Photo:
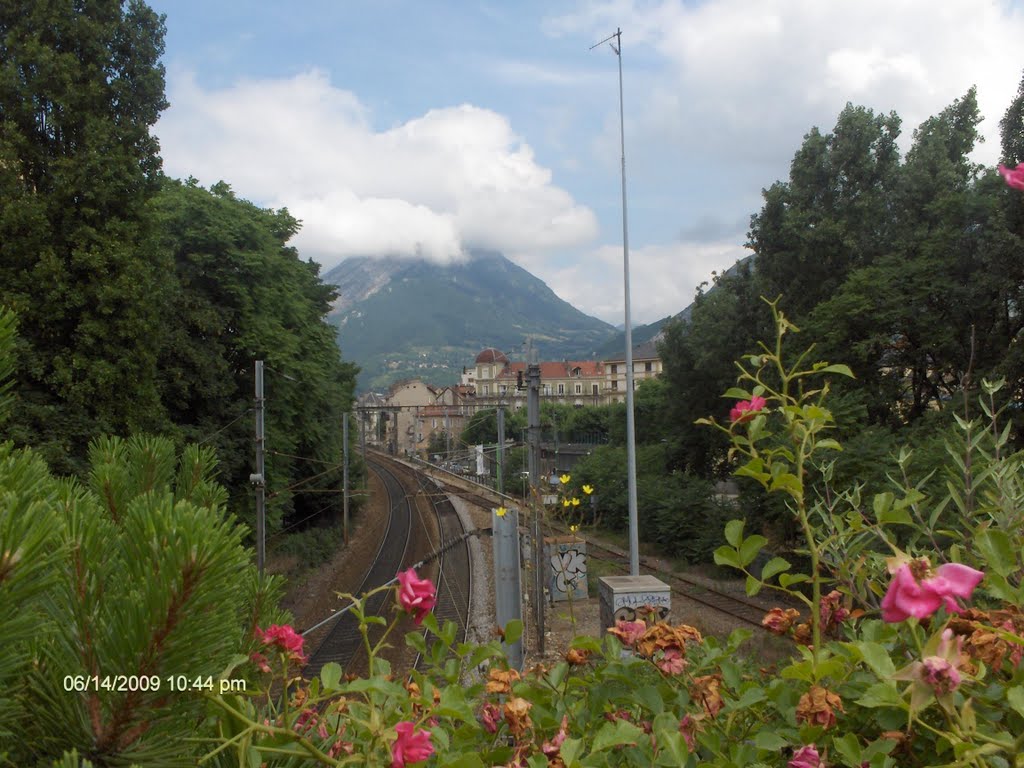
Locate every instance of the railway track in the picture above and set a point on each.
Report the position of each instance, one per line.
(454, 580)
(343, 642)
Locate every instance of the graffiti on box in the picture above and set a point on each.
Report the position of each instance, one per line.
(568, 577)
(649, 606)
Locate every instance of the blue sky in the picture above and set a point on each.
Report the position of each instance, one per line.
(403, 126)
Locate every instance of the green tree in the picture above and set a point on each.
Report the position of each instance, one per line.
(80, 90)
(240, 293)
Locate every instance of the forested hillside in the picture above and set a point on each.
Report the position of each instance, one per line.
(141, 301)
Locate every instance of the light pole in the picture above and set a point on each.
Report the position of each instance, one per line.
(634, 535)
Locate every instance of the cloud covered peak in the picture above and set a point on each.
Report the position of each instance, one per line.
(434, 186)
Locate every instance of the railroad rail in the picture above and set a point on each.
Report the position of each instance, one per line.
(343, 642)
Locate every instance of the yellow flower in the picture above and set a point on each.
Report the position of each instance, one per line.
(500, 511)
(565, 502)
(573, 528)
(564, 479)
(588, 489)
(575, 502)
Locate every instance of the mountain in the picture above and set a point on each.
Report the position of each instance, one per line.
(616, 345)
(398, 318)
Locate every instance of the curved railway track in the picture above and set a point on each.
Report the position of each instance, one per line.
(343, 642)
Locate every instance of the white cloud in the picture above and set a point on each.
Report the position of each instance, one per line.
(663, 278)
(449, 180)
(747, 80)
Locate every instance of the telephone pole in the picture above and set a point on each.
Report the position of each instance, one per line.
(344, 473)
(258, 479)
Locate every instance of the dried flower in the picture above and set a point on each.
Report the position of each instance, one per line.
(818, 707)
(778, 621)
(628, 631)
(500, 680)
(517, 715)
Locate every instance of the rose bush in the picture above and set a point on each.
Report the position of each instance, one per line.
(896, 661)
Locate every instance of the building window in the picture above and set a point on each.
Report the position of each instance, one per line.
(487, 389)
(593, 389)
(579, 389)
(561, 389)
(615, 368)
(433, 423)
(615, 385)
(547, 389)
(504, 388)
(647, 367)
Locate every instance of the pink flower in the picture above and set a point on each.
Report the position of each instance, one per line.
(687, 727)
(551, 748)
(260, 661)
(940, 675)
(628, 631)
(832, 611)
(916, 591)
(285, 638)
(411, 746)
(745, 409)
(806, 757)
(415, 595)
(1014, 177)
(490, 716)
(672, 662)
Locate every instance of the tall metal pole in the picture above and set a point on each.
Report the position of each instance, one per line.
(634, 536)
(344, 474)
(259, 478)
(501, 447)
(533, 455)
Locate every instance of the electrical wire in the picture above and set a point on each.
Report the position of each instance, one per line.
(227, 426)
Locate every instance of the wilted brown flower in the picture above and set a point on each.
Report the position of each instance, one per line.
(577, 656)
(818, 706)
(517, 715)
(501, 680)
(803, 634)
(706, 690)
(665, 636)
(778, 621)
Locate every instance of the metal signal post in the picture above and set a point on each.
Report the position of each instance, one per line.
(634, 536)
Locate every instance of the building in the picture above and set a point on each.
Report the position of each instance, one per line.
(646, 365)
(496, 380)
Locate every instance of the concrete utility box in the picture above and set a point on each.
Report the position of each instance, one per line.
(621, 596)
(566, 557)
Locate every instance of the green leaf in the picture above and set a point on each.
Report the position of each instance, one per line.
(753, 586)
(882, 695)
(770, 741)
(513, 631)
(734, 532)
(330, 676)
(1015, 698)
(877, 657)
(995, 545)
(774, 566)
(829, 443)
(727, 556)
(453, 704)
(789, 579)
(849, 747)
(842, 370)
(750, 547)
(570, 751)
(672, 742)
(737, 394)
(613, 734)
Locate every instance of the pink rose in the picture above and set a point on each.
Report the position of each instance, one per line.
(415, 595)
(745, 409)
(411, 746)
(672, 662)
(805, 757)
(628, 631)
(490, 716)
(1014, 176)
(908, 596)
(285, 638)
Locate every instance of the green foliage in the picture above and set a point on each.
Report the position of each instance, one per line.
(140, 574)
(79, 93)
